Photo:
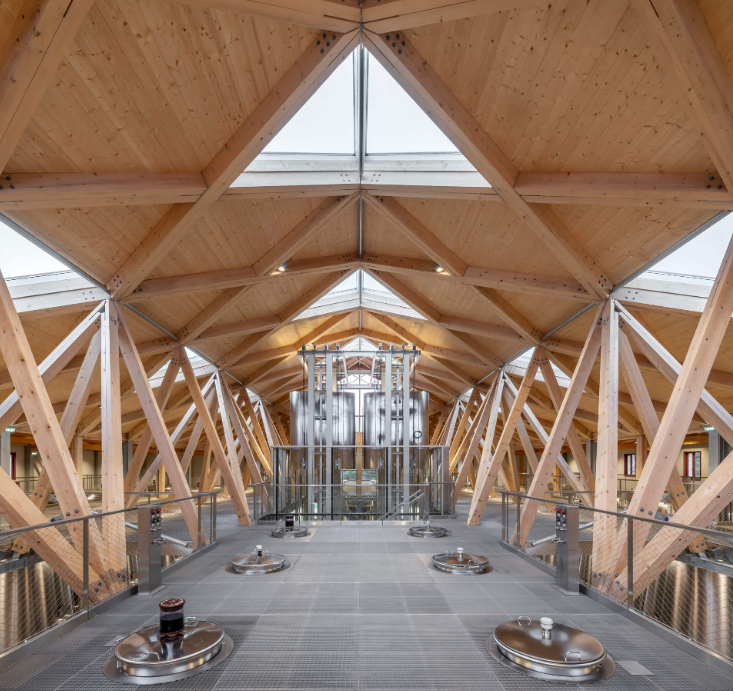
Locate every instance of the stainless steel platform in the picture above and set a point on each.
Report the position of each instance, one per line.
(361, 608)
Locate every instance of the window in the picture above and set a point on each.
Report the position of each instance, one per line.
(395, 123)
(630, 464)
(21, 257)
(691, 462)
(325, 123)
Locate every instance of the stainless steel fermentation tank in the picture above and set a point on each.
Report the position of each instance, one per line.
(376, 434)
(344, 435)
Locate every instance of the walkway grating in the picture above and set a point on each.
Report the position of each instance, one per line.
(362, 609)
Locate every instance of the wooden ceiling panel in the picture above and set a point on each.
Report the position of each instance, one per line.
(173, 312)
(383, 237)
(719, 18)
(235, 234)
(260, 301)
(484, 234)
(96, 239)
(339, 236)
(571, 86)
(422, 330)
(623, 239)
(155, 86)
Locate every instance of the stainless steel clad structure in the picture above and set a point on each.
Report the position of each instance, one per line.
(344, 418)
(324, 472)
(377, 435)
(343, 427)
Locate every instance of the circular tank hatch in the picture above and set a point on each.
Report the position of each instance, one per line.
(150, 656)
(290, 530)
(259, 562)
(461, 562)
(550, 651)
(428, 530)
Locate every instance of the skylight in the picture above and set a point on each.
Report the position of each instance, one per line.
(359, 290)
(359, 343)
(325, 124)
(395, 123)
(700, 257)
(20, 257)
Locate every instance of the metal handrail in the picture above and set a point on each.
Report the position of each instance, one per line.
(66, 521)
(401, 509)
(655, 521)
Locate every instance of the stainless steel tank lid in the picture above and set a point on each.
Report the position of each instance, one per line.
(428, 531)
(258, 562)
(147, 654)
(546, 644)
(286, 532)
(461, 562)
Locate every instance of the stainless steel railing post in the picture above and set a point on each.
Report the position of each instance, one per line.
(504, 517)
(630, 562)
(567, 547)
(149, 577)
(519, 521)
(85, 566)
(198, 526)
(213, 517)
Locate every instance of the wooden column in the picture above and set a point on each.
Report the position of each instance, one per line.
(604, 530)
(486, 454)
(160, 432)
(479, 429)
(462, 425)
(113, 485)
(146, 438)
(41, 418)
(439, 425)
(576, 446)
(77, 452)
(232, 476)
(682, 403)
(250, 411)
(486, 482)
(559, 430)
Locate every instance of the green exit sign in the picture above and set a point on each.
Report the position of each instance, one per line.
(709, 428)
(10, 429)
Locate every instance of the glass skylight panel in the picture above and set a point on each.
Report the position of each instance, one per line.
(371, 284)
(20, 257)
(395, 123)
(699, 258)
(347, 296)
(325, 123)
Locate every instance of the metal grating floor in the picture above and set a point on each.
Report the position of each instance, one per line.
(361, 608)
